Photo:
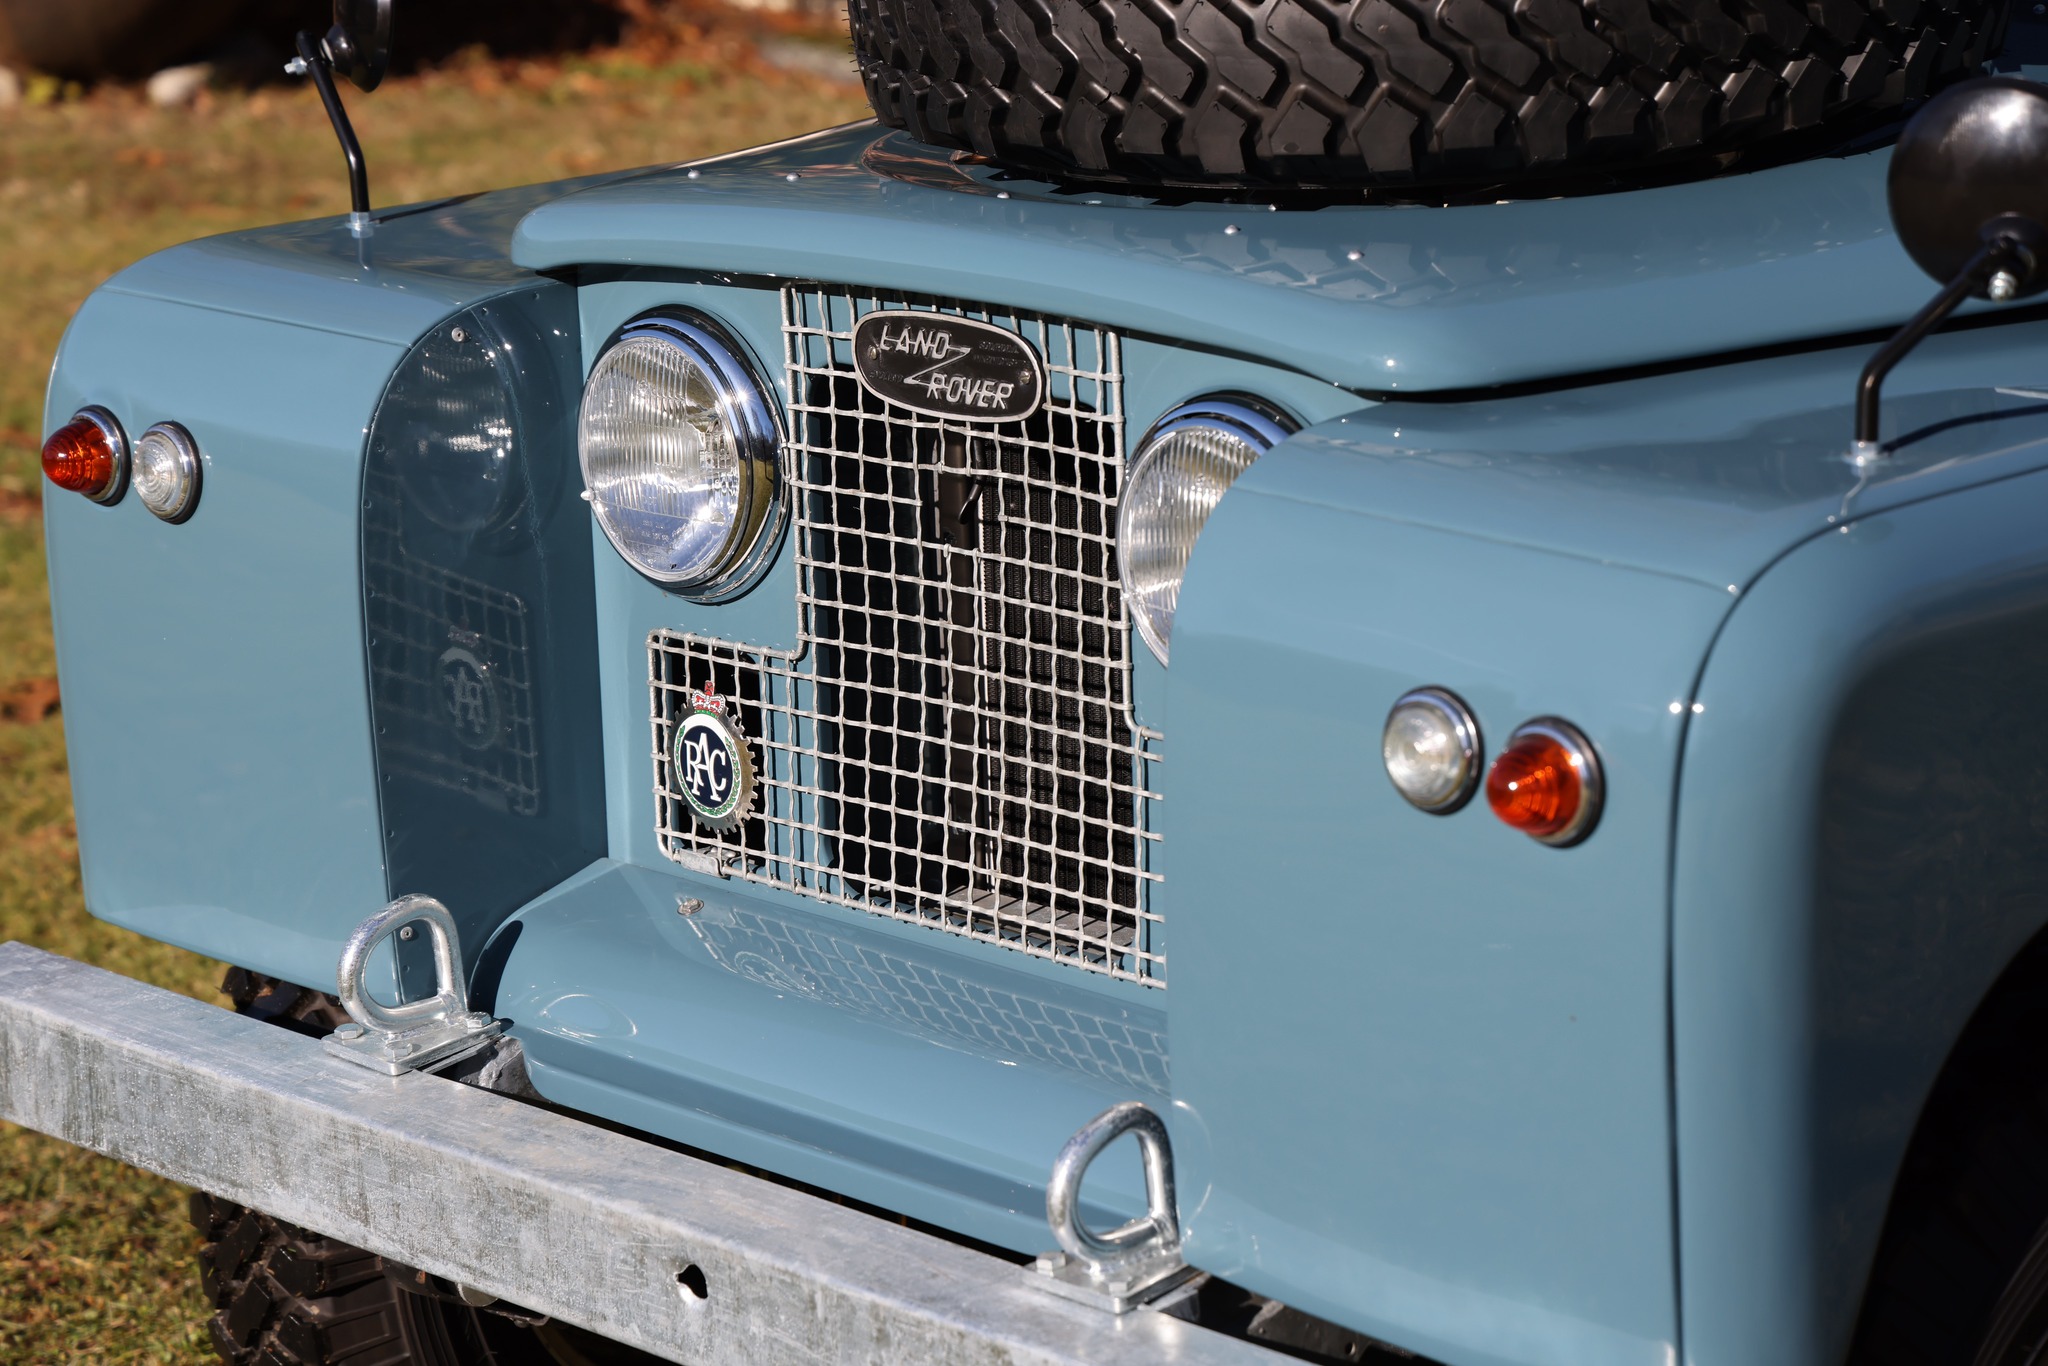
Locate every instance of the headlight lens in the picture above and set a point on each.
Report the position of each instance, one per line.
(1184, 466)
(1431, 749)
(165, 470)
(680, 455)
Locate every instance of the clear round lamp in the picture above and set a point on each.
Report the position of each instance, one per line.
(1431, 750)
(1184, 466)
(680, 454)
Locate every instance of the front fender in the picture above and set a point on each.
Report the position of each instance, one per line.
(1859, 856)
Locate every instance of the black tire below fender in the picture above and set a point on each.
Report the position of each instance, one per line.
(1335, 93)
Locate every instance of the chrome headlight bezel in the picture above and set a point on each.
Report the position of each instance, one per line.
(1256, 423)
(744, 405)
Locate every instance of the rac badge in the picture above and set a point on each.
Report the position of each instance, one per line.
(714, 766)
(942, 366)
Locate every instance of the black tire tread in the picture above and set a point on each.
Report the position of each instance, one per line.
(1308, 93)
(285, 1297)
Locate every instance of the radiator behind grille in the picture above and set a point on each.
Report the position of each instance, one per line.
(953, 743)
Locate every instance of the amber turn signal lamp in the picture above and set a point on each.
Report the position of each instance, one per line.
(1546, 782)
(88, 455)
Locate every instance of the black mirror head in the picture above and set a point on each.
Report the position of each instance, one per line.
(359, 44)
(1970, 167)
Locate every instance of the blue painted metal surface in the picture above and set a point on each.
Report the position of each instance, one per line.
(897, 1066)
(214, 672)
(1436, 298)
(1474, 1156)
(1422, 1076)
(479, 612)
(1859, 857)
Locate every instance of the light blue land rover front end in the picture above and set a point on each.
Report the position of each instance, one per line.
(926, 825)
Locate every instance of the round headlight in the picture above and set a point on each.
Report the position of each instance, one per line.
(681, 456)
(1184, 466)
(165, 471)
(1431, 749)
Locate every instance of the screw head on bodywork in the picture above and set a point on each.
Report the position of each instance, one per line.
(688, 905)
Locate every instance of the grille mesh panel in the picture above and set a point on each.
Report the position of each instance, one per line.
(467, 728)
(921, 997)
(952, 744)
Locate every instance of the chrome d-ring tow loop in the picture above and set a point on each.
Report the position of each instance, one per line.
(1135, 1265)
(418, 1034)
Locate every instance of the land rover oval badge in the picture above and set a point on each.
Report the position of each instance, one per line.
(714, 766)
(943, 366)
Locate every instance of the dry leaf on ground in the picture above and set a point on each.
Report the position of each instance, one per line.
(29, 701)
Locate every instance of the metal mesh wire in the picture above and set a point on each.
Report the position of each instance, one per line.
(955, 746)
(921, 997)
(451, 670)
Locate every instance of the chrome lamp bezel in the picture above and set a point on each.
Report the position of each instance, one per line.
(1592, 781)
(117, 438)
(1464, 726)
(186, 452)
(1258, 423)
(745, 405)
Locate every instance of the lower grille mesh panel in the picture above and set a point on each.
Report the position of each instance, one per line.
(952, 744)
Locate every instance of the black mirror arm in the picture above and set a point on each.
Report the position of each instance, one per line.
(313, 58)
(1999, 253)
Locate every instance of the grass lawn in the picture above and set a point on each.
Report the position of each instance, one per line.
(96, 1258)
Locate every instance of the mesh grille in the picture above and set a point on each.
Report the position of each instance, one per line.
(921, 997)
(952, 744)
(450, 669)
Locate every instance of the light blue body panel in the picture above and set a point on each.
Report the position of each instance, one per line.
(879, 1060)
(1859, 856)
(1491, 1101)
(1434, 299)
(213, 672)
(1474, 1158)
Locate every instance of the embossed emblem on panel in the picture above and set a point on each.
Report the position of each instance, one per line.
(469, 698)
(714, 766)
(948, 367)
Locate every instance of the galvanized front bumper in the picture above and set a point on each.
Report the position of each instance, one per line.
(541, 1209)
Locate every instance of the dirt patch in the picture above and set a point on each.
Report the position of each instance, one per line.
(29, 701)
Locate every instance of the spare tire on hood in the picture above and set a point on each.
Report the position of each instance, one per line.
(1340, 93)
